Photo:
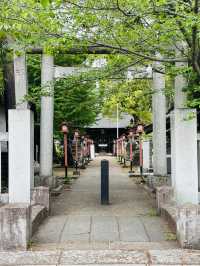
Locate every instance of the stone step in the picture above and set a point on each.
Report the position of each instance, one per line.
(101, 257)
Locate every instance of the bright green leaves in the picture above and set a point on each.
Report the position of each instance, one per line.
(45, 3)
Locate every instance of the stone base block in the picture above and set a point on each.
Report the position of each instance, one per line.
(154, 181)
(4, 198)
(164, 195)
(49, 181)
(41, 196)
(188, 226)
(15, 224)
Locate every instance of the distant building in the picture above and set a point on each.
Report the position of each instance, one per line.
(104, 132)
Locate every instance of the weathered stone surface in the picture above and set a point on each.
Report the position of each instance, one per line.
(188, 225)
(15, 226)
(38, 214)
(132, 229)
(164, 195)
(29, 258)
(77, 227)
(40, 195)
(104, 228)
(51, 230)
(174, 257)
(103, 257)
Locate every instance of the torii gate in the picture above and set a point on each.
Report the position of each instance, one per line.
(21, 164)
(184, 177)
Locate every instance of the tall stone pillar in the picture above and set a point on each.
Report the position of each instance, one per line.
(184, 145)
(21, 139)
(159, 123)
(46, 118)
(21, 81)
(21, 152)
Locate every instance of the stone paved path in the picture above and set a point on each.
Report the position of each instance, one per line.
(78, 221)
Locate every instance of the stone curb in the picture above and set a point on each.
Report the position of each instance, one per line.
(103, 257)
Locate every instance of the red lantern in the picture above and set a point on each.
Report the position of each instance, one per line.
(140, 129)
(64, 128)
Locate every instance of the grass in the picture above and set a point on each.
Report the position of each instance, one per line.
(169, 236)
(153, 212)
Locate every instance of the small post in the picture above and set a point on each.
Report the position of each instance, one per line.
(140, 130)
(104, 182)
(64, 129)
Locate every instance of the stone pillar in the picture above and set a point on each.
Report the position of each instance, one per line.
(184, 155)
(159, 123)
(21, 151)
(183, 145)
(146, 155)
(21, 82)
(46, 118)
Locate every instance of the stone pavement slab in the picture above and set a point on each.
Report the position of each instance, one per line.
(51, 230)
(76, 228)
(104, 228)
(132, 229)
(155, 228)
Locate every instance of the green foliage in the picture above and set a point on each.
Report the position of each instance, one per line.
(76, 101)
(67, 60)
(137, 29)
(132, 96)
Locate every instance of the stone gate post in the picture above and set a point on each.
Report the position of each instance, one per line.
(184, 145)
(159, 123)
(46, 119)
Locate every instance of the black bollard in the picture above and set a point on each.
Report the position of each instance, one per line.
(104, 182)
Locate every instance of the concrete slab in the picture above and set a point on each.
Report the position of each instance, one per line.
(51, 230)
(104, 228)
(76, 228)
(132, 230)
(155, 228)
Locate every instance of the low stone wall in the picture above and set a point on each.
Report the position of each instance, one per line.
(185, 219)
(19, 220)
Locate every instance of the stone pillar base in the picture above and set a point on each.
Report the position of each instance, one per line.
(155, 181)
(49, 181)
(164, 195)
(188, 226)
(15, 226)
(41, 195)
